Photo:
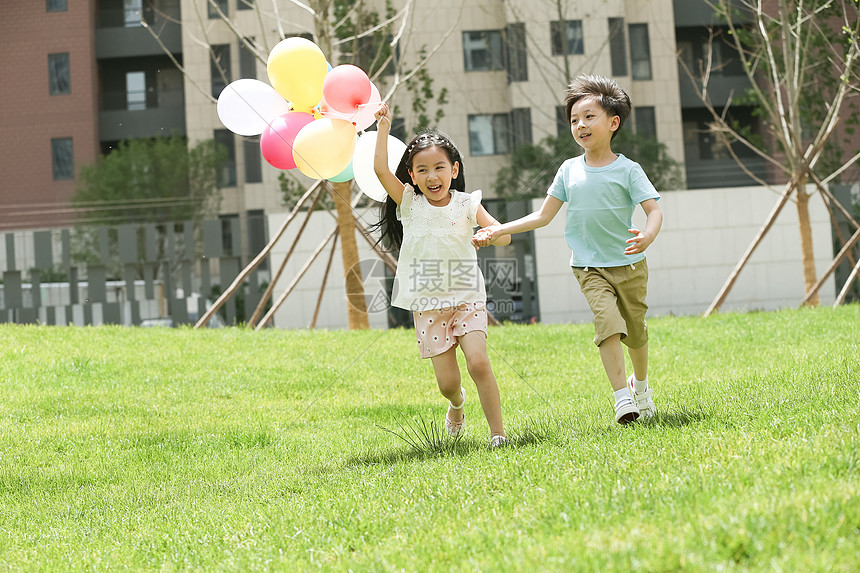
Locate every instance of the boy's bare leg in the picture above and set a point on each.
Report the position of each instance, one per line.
(612, 356)
(639, 358)
(474, 345)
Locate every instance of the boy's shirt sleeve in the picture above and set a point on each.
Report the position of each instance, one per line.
(558, 188)
(641, 188)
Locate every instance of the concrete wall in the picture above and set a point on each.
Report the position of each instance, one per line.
(297, 310)
(704, 235)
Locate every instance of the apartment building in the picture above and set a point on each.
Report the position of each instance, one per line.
(87, 74)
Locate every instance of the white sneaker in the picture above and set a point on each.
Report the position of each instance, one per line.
(643, 400)
(626, 411)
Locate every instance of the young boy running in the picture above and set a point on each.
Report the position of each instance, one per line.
(602, 188)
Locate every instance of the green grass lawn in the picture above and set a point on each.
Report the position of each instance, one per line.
(175, 449)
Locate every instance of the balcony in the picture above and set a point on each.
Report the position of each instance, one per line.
(120, 32)
(126, 115)
(720, 88)
(711, 173)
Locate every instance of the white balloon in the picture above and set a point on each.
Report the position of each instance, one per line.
(362, 163)
(247, 106)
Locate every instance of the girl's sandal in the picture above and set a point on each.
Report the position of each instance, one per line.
(454, 429)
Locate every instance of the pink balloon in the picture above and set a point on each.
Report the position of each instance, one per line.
(363, 117)
(346, 87)
(366, 114)
(276, 141)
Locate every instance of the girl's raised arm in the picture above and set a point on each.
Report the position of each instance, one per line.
(393, 186)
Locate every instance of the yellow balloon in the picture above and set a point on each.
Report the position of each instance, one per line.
(297, 69)
(324, 147)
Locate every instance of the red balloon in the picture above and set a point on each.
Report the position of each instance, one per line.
(276, 141)
(345, 88)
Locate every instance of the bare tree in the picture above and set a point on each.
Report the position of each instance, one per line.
(345, 30)
(786, 47)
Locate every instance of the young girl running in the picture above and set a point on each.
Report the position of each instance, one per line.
(430, 218)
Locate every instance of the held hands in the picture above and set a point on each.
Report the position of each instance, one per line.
(484, 237)
(636, 244)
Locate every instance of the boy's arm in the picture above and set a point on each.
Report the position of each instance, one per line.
(392, 185)
(539, 218)
(487, 220)
(653, 223)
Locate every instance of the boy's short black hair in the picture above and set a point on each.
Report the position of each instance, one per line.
(606, 91)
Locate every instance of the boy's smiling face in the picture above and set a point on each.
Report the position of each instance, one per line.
(592, 127)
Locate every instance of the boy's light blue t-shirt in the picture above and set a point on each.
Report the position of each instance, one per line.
(600, 208)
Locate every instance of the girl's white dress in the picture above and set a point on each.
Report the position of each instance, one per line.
(438, 266)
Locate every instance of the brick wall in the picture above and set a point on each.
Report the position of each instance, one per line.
(30, 117)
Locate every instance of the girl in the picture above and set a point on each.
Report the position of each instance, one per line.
(430, 218)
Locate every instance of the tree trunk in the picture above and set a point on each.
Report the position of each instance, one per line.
(356, 304)
(808, 256)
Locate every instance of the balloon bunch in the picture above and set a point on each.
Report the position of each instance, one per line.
(309, 117)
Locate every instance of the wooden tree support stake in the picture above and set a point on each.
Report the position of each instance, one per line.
(295, 280)
(277, 276)
(324, 281)
(846, 248)
(724, 292)
(841, 298)
(237, 282)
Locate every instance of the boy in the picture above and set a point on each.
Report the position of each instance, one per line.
(602, 189)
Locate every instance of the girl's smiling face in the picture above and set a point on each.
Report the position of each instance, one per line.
(432, 172)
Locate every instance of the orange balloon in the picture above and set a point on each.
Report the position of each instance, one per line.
(324, 148)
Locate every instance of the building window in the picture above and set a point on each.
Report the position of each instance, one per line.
(57, 5)
(398, 128)
(562, 122)
(244, 4)
(253, 161)
(640, 52)
(371, 52)
(59, 74)
(724, 58)
(483, 51)
(490, 134)
(518, 70)
(222, 5)
(135, 90)
(257, 236)
(227, 175)
(247, 61)
(132, 13)
(646, 122)
(62, 158)
(521, 127)
(566, 37)
(219, 67)
(227, 237)
(617, 47)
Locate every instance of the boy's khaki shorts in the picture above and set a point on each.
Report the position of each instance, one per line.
(616, 296)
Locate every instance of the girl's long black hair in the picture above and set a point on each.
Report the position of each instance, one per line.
(390, 229)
